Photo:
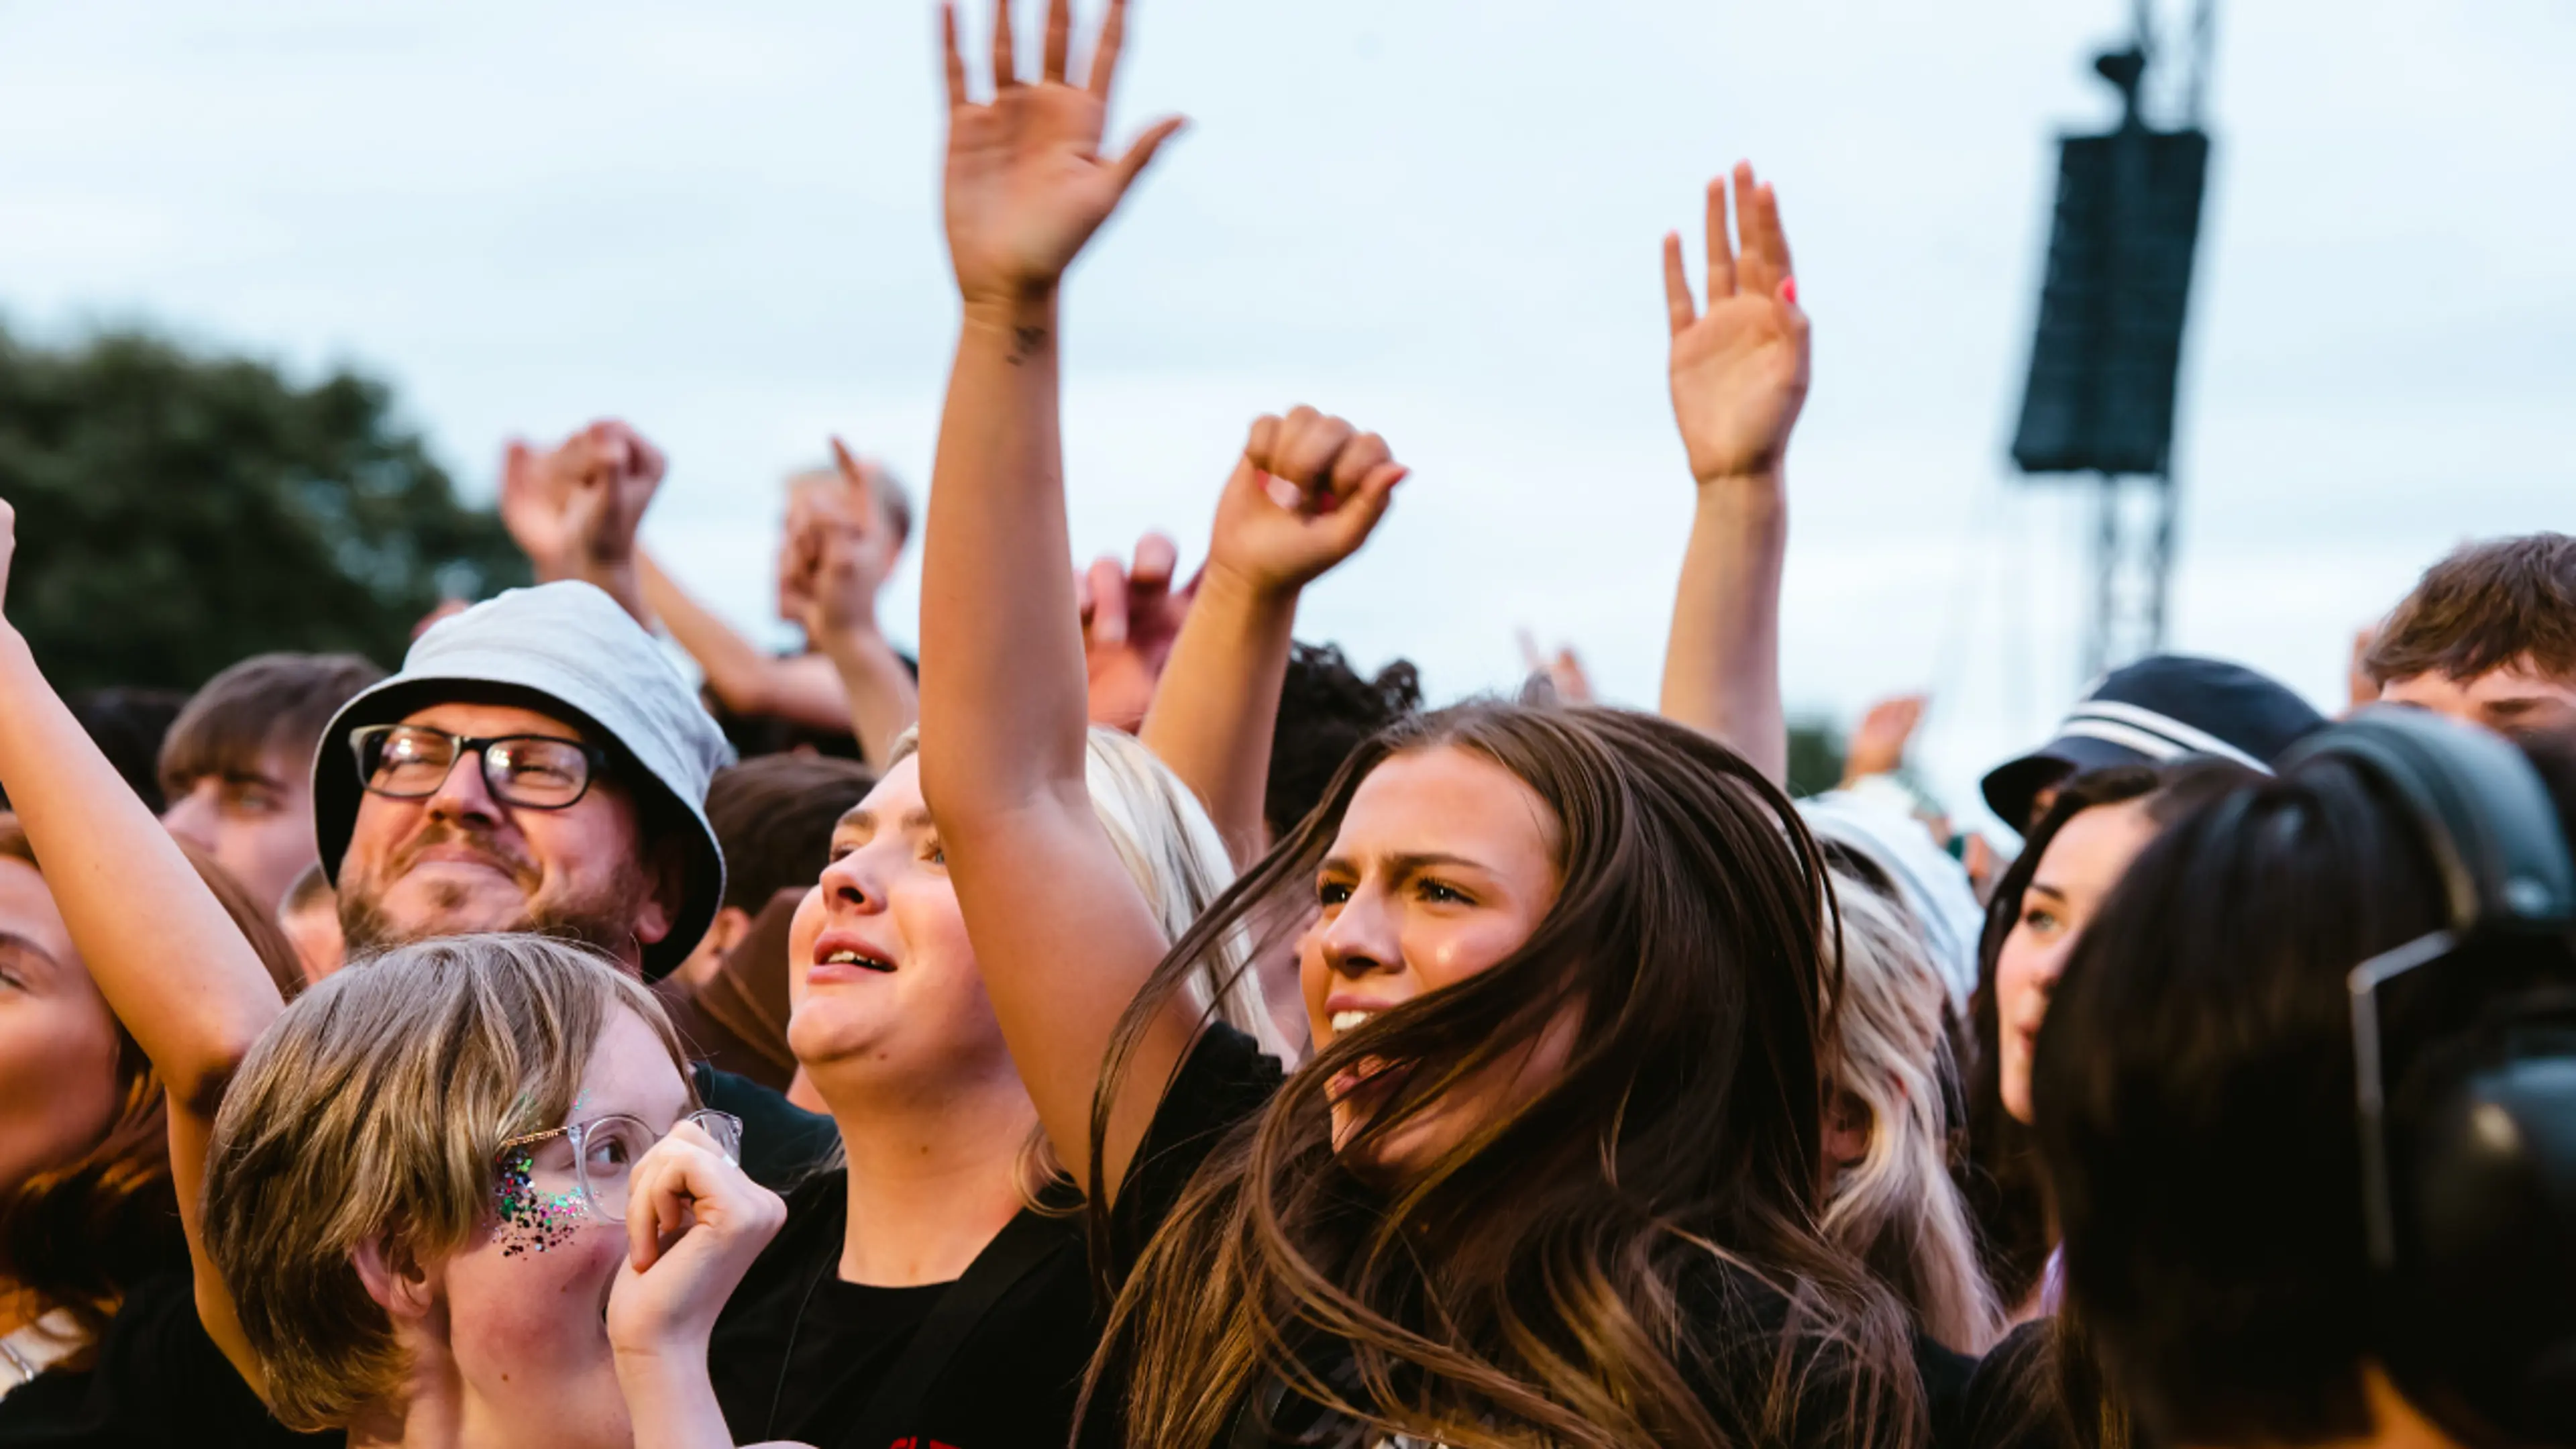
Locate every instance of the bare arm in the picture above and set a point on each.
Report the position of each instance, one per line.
(1306, 493)
(1063, 936)
(164, 953)
(748, 681)
(1739, 376)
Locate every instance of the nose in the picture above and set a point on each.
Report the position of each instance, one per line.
(463, 795)
(1361, 937)
(191, 816)
(854, 883)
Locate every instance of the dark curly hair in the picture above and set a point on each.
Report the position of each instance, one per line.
(1326, 708)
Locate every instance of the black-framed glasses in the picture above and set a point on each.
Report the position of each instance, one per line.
(534, 772)
(544, 1180)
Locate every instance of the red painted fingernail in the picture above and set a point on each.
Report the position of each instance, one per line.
(1789, 290)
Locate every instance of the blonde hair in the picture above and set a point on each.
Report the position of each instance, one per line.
(1897, 1209)
(1177, 859)
(368, 1114)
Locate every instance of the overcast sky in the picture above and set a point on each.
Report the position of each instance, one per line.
(1438, 217)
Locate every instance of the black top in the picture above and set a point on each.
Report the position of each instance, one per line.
(782, 1143)
(1226, 1080)
(1011, 1383)
(159, 1381)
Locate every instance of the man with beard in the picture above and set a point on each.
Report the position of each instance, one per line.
(538, 765)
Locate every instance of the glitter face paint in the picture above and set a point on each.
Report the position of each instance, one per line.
(532, 1220)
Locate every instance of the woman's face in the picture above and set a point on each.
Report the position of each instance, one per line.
(882, 980)
(58, 1041)
(2083, 861)
(526, 1302)
(1444, 864)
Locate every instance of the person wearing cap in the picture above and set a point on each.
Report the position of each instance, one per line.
(582, 814)
(2162, 708)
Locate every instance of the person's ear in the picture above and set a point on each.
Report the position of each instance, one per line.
(659, 912)
(395, 1278)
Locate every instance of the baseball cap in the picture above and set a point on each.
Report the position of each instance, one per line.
(2163, 707)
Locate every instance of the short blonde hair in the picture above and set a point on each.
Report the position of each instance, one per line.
(1897, 1209)
(1176, 857)
(369, 1113)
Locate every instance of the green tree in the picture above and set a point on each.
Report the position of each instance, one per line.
(177, 512)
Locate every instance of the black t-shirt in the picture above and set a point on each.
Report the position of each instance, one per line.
(1226, 1080)
(158, 1381)
(782, 1143)
(799, 1354)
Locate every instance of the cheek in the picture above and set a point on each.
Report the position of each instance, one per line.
(2014, 972)
(1445, 950)
(524, 1317)
(801, 933)
(58, 1084)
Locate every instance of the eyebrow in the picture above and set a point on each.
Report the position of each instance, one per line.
(1411, 863)
(2043, 888)
(11, 941)
(861, 817)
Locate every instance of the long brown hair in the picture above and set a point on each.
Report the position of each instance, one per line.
(79, 1234)
(1545, 1280)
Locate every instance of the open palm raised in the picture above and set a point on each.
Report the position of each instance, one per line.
(1739, 369)
(1027, 184)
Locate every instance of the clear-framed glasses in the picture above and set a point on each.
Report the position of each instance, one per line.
(547, 1183)
(535, 772)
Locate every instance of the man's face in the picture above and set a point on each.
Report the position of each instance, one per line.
(2514, 699)
(257, 822)
(461, 860)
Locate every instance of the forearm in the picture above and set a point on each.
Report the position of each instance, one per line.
(1722, 664)
(737, 672)
(621, 580)
(1218, 704)
(882, 697)
(1003, 691)
(167, 958)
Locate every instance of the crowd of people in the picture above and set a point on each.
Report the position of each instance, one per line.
(1128, 1025)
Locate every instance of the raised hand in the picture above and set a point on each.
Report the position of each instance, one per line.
(532, 509)
(1739, 369)
(1027, 184)
(1878, 745)
(694, 1223)
(846, 552)
(1130, 616)
(1305, 495)
(607, 475)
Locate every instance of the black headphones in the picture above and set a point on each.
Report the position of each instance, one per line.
(2464, 1045)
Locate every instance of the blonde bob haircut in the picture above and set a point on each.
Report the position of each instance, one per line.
(369, 1113)
(1178, 860)
(1897, 1209)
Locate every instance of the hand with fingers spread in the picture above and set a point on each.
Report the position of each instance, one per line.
(1027, 183)
(1739, 369)
(1130, 616)
(1307, 492)
(694, 1223)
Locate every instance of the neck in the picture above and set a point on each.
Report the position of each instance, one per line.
(933, 1176)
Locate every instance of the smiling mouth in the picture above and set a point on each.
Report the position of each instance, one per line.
(859, 959)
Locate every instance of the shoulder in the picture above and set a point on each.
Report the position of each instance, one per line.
(1224, 1082)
